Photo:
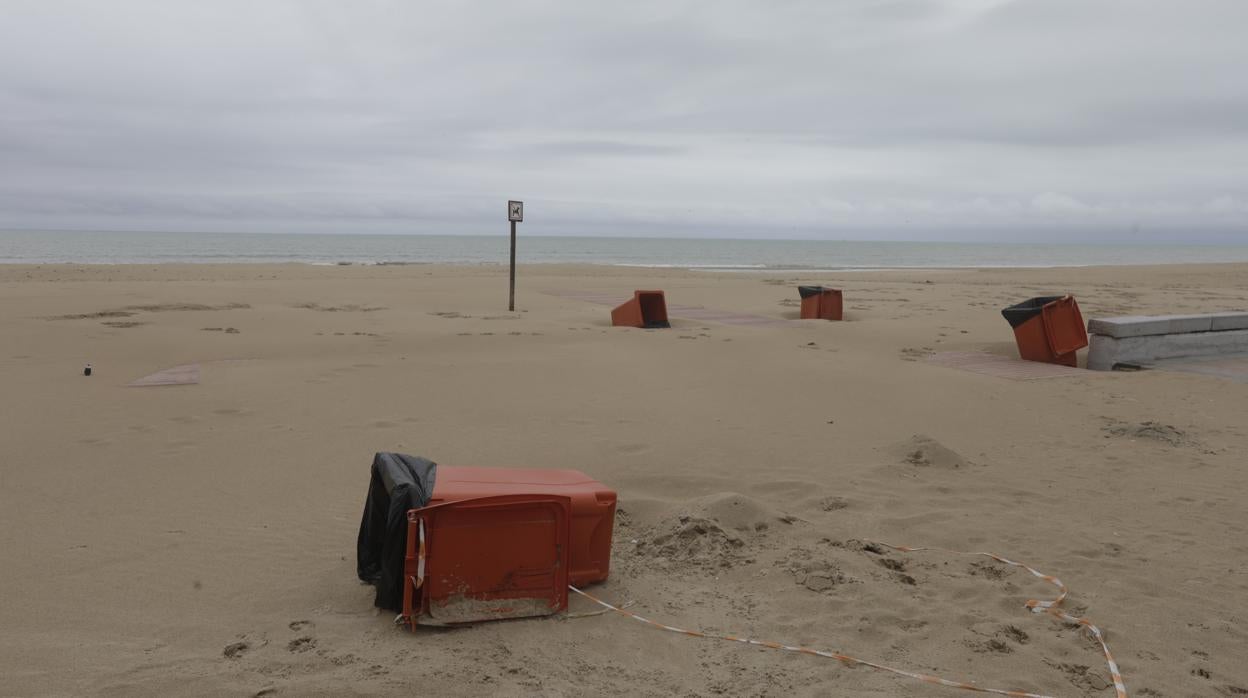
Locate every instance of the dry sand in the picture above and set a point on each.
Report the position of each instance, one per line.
(145, 531)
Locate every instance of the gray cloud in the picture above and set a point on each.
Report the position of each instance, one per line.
(927, 119)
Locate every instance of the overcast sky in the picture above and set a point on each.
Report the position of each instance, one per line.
(891, 119)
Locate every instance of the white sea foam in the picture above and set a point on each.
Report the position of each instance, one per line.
(738, 256)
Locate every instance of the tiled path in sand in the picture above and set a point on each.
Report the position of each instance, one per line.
(186, 374)
(689, 312)
(1233, 368)
(1001, 366)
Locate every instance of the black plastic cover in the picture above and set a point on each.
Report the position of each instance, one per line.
(1022, 312)
(398, 483)
(808, 291)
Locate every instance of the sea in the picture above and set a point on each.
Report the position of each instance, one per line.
(745, 256)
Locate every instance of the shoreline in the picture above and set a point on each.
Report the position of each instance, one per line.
(739, 256)
(709, 268)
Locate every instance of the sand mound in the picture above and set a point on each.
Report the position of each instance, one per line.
(1153, 431)
(924, 451)
(711, 531)
(695, 540)
(738, 512)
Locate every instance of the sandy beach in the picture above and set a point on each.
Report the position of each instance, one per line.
(143, 531)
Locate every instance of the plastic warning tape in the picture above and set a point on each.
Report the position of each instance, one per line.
(420, 556)
(418, 579)
(1051, 607)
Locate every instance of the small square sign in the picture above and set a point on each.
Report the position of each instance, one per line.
(515, 210)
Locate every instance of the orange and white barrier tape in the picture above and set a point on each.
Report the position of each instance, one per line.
(418, 579)
(420, 557)
(1035, 605)
(1052, 607)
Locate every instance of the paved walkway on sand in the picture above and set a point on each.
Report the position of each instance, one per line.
(1001, 366)
(689, 312)
(1232, 368)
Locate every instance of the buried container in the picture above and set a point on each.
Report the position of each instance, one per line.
(646, 309)
(819, 303)
(1048, 329)
(592, 507)
(489, 558)
(501, 542)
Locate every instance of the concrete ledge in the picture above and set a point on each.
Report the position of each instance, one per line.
(1106, 351)
(1146, 325)
(1229, 321)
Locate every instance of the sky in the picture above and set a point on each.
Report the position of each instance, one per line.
(1003, 120)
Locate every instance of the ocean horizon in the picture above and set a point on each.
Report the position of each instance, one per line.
(741, 255)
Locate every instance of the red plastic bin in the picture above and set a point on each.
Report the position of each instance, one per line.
(488, 558)
(1048, 329)
(645, 309)
(592, 514)
(820, 303)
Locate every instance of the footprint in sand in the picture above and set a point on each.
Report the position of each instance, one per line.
(987, 570)
(833, 503)
(301, 644)
(992, 645)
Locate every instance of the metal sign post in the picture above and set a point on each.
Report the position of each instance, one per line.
(515, 214)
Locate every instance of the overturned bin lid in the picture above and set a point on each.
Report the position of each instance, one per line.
(808, 291)
(488, 558)
(1019, 313)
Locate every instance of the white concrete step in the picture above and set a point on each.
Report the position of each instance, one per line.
(1105, 352)
(1147, 325)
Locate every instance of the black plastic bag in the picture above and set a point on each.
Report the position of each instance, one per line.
(399, 482)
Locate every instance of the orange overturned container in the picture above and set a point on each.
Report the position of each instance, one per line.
(646, 309)
(592, 507)
(486, 558)
(498, 543)
(820, 303)
(1048, 329)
